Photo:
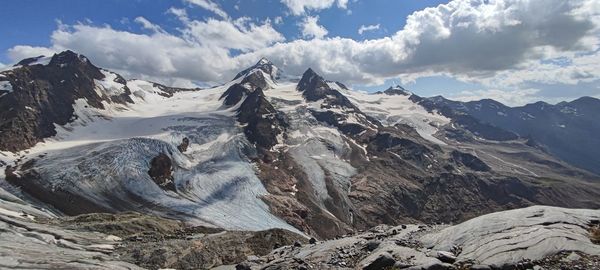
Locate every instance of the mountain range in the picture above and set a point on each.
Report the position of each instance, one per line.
(272, 151)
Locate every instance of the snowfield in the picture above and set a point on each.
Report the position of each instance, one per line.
(398, 109)
(104, 155)
(313, 146)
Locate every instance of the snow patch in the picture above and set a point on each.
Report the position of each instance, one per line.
(6, 86)
(108, 85)
(391, 110)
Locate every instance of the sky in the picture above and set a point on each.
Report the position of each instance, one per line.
(514, 51)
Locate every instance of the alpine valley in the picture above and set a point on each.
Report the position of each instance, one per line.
(272, 171)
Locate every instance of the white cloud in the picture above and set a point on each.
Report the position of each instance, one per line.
(21, 52)
(148, 25)
(364, 28)
(342, 4)
(240, 34)
(179, 13)
(200, 53)
(311, 29)
(508, 97)
(278, 20)
(499, 44)
(210, 6)
(299, 7)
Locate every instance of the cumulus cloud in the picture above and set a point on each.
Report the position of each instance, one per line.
(299, 7)
(210, 6)
(240, 34)
(20, 52)
(200, 53)
(365, 28)
(495, 43)
(311, 29)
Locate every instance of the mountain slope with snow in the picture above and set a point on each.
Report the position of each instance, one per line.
(262, 151)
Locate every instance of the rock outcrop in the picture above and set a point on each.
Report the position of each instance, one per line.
(161, 171)
(43, 95)
(516, 239)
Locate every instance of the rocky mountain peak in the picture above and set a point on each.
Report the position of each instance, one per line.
(263, 65)
(585, 101)
(313, 86)
(69, 57)
(31, 60)
(60, 59)
(397, 90)
(45, 89)
(309, 74)
(264, 61)
(252, 81)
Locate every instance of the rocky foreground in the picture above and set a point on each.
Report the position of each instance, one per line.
(537, 237)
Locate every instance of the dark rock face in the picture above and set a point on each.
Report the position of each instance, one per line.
(184, 145)
(385, 141)
(264, 123)
(595, 233)
(336, 120)
(382, 262)
(396, 90)
(249, 84)
(470, 161)
(161, 171)
(234, 94)
(167, 91)
(43, 95)
(315, 88)
(27, 61)
(256, 80)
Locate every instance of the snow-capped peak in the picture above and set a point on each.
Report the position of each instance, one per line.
(263, 65)
(263, 61)
(42, 59)
(397, 90)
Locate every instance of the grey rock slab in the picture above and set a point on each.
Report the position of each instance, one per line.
(512, 236)
(383, 260)
(31, 245)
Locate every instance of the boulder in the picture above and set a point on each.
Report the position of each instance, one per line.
(384, 260)
(372, 245)
(184, 145)
(161, 171)
(445, 256)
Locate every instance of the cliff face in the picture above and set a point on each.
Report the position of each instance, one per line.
(43, 94)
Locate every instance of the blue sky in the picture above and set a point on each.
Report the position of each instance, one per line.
(31, 22)
(515, 51)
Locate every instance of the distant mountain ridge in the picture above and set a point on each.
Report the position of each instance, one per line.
(568, 130)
